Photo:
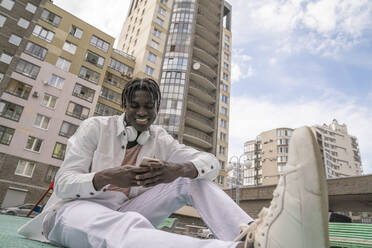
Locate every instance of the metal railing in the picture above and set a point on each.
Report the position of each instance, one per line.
(198, 134)
(202, 104)
(204, 90)
(124, 54)
(200, 118)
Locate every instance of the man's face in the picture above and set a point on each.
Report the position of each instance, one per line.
(141, 112)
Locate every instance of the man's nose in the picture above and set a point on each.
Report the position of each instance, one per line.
(142, 111)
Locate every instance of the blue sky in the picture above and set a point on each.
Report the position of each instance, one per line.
(294, 63)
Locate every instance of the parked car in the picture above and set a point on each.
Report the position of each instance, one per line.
(21, 210)
(205, 233)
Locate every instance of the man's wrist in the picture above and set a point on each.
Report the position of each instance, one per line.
(99, 180)
(189, 170)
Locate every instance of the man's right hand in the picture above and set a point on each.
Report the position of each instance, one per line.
(123, 176)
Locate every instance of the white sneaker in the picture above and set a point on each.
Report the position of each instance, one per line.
(297, 216)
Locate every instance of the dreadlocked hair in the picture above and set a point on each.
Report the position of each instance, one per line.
(136, 84)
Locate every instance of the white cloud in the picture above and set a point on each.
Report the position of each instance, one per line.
(237, 73)
(251, 116)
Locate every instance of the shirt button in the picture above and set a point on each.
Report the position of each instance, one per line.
(212, 167)
(77, 195)
(104, 190)
(122, 147)
(124, 134)
(202, 171)
(91, 193)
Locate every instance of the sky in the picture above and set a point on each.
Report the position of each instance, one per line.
(294, 63)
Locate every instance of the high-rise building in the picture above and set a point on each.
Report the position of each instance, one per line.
(66, 72)
(268, 154)
(186, 47)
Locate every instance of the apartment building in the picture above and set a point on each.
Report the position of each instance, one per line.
(267, 155)
(67, 71)
(186, 47)
(16, 22)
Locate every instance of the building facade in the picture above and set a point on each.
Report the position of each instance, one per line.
(66, 72)
(186, 47)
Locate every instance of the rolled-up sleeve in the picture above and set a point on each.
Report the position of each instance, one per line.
(74, 179)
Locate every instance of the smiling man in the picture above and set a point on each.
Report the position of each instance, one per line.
(122, 176)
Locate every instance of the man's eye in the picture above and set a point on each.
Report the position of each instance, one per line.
(149, 106)
(134, 105)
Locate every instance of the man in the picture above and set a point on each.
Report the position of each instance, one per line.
(122, 176)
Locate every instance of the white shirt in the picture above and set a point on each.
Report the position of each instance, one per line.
(100, 143)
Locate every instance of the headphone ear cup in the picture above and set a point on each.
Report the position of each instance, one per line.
(143, 138)
(132, 133)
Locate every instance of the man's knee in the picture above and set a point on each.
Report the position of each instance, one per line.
(135, 219)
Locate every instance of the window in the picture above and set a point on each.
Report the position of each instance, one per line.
(220, 179)
(114, 80)
(283, 132)
(227, 38)
(6, 135)
(49, 101)
(67, 129)
(222, 150)
(76, 32)
(56, 81)
(226, 46)
(226, 66)
(111, 95)
(223, 110)
(23, 23)
(50, 17)
(282, 142)
(94, 59)
(42, 121)
(1, 76)
(222, 136)
(7, 4)
(31, 8)
(151, 57)
(6, 58)
(164, 2)
(225, 56)
(19, 89)
(83, 92)
(149, 71)
(120, 67)
(63, 64)
(99, 43)
(89, 75)
(33, 144)
(224, 98)
(51, 173)
(59, 151)
(224, 87)
(25, 168)
(159, 21)
(69, 47)
(2, 20)
(223, 123)
(78, 111)
(162, 11)
(154, 44)
(156, 32)
(104, 110)
(28, 69)
(35, 50)
(222, 164)
(10, 110)
(225, 76)
(282, 149)
(282, 159)
(43, 33)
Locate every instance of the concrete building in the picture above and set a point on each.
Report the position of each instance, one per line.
(16, 22)
(66, 72)
(186, 47)
(266, 156)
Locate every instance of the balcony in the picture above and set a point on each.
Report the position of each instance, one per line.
(77, 115)
(197, 137)
(212, 38)
(200, 107)
(211, 10)
(205, 57)
(203, 20)
(206, 46)
(199, 121)
(205, 70)
(202, 92)
(125, 55)
(203, 81)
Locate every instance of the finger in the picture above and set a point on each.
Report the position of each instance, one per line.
(153, 181)
(153, 164)
(141, 169)
(148, 175)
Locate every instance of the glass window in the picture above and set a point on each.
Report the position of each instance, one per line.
(223, 110)
(51, 173)
(2, 20)
(223, 123)
(154, 44)
(104, 110)
(164, 2)
(225, 56)
(111, 95)
(23, 23)
(43, 33)
(63, 64)
(159, 21)
(49, 101)
(226, 46)
(25, 168)
(36, 51)
(224, 98)
(227, 38)
(42, 121)
(149, 71)
(162, 11)
(31, 8)
(78, 111)
(226, 66)
(6, 58)
(69, 47)
(67, 129)
(114, 80)
(33, 144)
(94, 59)
(89, 75)
(59, 151)
(50, 17)
(10, 110)
(7, 4)
(151, 57)
(156, 32)
(83, 92)
(56, 81)
(225, 76)
(18, 89)
(76, 32)
(6, 135)
(122, 68)
(28, 69)
(99, 43)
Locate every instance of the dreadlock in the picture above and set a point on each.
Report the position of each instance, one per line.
(146, 84)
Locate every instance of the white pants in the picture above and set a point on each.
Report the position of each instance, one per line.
(83, 223)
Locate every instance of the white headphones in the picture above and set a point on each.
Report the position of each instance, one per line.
(133, 133)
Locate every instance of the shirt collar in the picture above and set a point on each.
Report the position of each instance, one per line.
(120, 125)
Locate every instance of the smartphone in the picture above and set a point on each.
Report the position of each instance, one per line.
(145, 160)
